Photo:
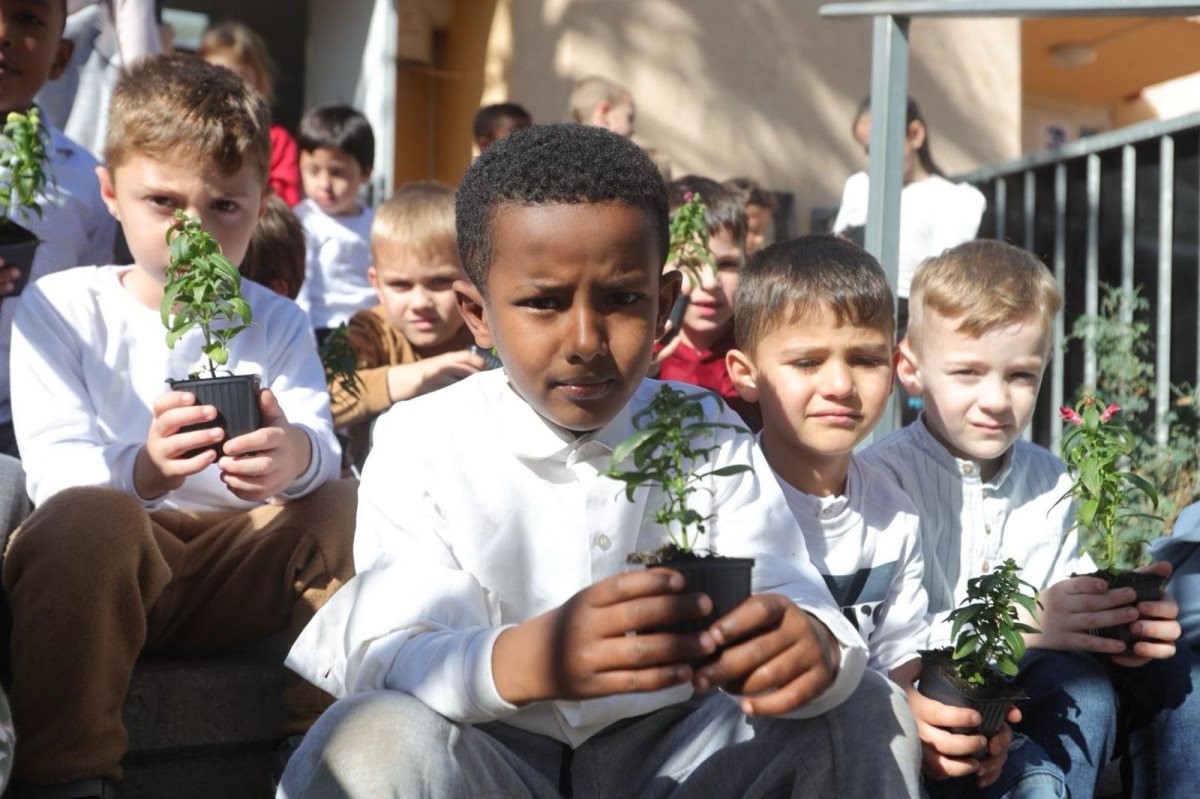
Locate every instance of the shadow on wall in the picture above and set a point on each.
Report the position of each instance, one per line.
(766, 89)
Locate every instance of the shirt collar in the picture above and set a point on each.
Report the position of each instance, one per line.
(959, 466)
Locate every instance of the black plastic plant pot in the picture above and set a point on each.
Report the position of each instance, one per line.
(725, 580)
(1148, 587)
(234, 396)
(17, 247)
(939, 681)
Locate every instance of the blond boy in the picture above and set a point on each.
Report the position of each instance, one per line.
(600, 101)
(138, 544)
(979, 339)
(414, 341)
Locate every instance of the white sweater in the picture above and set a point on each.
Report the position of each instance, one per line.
(89, 360)
(335, 273)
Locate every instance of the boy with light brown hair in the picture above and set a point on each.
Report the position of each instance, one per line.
(414, 341)
(144, 538)
(600, 101)
(981, 333)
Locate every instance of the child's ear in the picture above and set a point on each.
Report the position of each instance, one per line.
(373, 277)
(668, 291)
(908, 370)
(741, 372)
(62, 57)
(108, 191)
(600, 113)
(470, 307)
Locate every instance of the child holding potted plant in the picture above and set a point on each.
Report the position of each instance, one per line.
(815, 333)
(144, 539)
(490, 616)
(64, 218)
(980, 337)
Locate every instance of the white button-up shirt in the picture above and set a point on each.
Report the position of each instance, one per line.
(969, 526)
(475, 514)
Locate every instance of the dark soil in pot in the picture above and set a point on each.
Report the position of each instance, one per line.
(940, 681)
(234, 396)
(17, 247)
(1147, 586)
(725, 580)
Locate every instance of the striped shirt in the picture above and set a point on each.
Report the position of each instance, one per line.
(969, 526)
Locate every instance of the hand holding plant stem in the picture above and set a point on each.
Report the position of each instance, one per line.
(203, 289)
(1095, 449)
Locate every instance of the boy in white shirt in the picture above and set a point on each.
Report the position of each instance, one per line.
(337, 153)
(980, 337)
(815, 348)
(74, 226)
(485, 647)
(138, 544)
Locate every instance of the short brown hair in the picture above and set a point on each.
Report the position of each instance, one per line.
(988, 284)
(805, 276)
(724, 211)
(244, 44)
(419, 216)
(277, 249)
(172, 107)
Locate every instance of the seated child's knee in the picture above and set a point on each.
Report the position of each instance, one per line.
(382, 727)
(82, 526)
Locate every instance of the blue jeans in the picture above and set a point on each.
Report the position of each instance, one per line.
(1028, 773)
(1083, 710)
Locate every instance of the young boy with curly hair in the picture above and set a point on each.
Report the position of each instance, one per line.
(144, 539)
(485, 646)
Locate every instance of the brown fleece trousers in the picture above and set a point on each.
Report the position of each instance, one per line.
(95, 581)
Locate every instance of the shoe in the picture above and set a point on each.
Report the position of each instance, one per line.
(89, 788)
(281, 755)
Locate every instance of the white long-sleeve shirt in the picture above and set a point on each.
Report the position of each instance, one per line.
(867, 545)
(475, 515)
(935, 214)
(335, 271)
(89, 360)
(969, 526)
(75, 229)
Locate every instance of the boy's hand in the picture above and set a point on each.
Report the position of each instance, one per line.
(9, 275)
(1072, 607)
(261, 464)
(409, 380)
(773, 656)
(582, 649)
(160, 466)
(1158, 620)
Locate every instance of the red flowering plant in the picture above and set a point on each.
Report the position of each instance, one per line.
(1097, 448)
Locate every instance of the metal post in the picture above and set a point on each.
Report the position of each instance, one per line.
(1001, 184)
(1091, 289)
(1128, 219)
(1166, 252)
(1030, 210)
(889, 107)
(1060, 276)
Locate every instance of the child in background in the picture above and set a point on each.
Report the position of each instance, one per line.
(276, 255)
(599, 101)
(815, 329)
(235, 46)
(494, 122)
(980, 337)
(74, 226)
(760, 207)
(491, 616)
(414, 341)
(337, 152)
(697, 354)
(143, 539)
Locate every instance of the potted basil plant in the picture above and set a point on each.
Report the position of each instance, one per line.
(670, 452)
(987, 647)
(23, 181)
(203, 291)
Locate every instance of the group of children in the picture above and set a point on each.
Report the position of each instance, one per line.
(468, 603)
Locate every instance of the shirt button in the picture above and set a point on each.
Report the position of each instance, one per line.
(968, 468)
(604, 542)
(987, 566)
(827, 512)
(987, 528)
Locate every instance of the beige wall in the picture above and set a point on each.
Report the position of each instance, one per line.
(763, 88)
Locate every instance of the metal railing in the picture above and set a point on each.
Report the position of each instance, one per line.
(889, 89)
(1118, 208)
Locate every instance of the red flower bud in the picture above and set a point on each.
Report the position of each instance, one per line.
(1110, 412)
(687, 196)
(1069, 415)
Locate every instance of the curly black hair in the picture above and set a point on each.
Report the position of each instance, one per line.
(550, 165)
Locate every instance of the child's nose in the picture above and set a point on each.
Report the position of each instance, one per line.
(708, 278)
(837, 382)
(994, 397)
(587, 336)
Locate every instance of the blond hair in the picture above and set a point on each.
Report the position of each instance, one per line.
(419, 216)
(592, 91)
(986, 284)
(181, 109)
(245, 45)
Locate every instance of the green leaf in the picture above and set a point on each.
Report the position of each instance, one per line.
(623, 450)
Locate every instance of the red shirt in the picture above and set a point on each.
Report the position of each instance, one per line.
(706, 368)
(284, 174)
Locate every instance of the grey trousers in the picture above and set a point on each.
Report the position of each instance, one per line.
(388, 744)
